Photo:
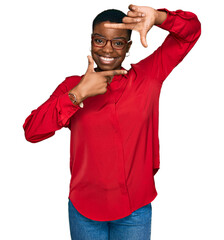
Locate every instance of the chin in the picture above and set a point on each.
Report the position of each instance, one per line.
(105, 67)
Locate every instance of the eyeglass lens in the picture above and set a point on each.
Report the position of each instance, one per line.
(116, 43)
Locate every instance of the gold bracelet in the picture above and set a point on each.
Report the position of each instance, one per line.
(74, 100)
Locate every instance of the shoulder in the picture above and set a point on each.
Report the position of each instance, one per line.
(71, 81)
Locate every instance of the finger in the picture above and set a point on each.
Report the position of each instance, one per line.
(136, 8)
(116, 25)
(133, 7)
(113, 72)
(135, 14)
(90, 64)
(131, 20)
(109, 78)
(119, 26)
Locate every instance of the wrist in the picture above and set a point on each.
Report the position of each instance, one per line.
(160, 17)
(76, 96)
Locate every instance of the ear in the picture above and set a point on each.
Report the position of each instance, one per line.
(128, 46)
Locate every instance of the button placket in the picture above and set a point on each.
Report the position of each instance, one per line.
(121, 158)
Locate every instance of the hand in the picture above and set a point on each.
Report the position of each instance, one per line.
(140, 19)
(94, 83)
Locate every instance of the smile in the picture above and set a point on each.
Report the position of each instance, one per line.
(106, 60)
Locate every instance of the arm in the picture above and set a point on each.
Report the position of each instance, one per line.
(184, 28)
(51, 116)
(57, 111)
(184, 31)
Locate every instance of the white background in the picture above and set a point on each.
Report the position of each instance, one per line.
(42, 42)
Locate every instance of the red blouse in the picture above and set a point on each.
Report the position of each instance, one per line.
(114, 138)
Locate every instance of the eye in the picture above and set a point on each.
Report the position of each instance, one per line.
(99, 41)
(118, 43)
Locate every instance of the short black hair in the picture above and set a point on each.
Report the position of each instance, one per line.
(112, 15)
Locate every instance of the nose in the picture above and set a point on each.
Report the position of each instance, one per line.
(108, 47)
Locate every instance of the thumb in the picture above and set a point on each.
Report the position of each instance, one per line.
(143, 34)
(143, 39)
(90, 64)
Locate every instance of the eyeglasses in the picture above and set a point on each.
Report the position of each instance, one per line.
(117, 43)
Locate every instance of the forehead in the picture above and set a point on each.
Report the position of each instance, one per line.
(108, 32)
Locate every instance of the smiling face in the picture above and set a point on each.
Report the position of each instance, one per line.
(108, 58)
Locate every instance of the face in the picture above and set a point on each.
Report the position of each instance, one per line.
(108, 58)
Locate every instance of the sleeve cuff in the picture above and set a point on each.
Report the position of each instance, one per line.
(65, 109)
(169, 22)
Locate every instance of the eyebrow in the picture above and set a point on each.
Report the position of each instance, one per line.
(105, 37)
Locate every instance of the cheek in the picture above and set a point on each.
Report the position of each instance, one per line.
(122, 52)
(92, 49)
(123, 55)
(94, 53)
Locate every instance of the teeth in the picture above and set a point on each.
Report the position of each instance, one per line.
(107, 59)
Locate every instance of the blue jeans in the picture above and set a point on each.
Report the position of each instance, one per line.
(136, 226)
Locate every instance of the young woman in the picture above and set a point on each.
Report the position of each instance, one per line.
(113, 117)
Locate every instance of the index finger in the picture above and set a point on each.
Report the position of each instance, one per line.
(135, 8)
(118, 25)
(113, 72)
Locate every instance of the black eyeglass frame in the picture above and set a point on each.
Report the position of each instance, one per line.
(124, 40)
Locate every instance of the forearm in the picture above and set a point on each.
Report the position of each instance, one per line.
(185, 29)
(51, 116)
(182, 24)
(48, 118)
(79, 93)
